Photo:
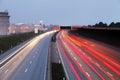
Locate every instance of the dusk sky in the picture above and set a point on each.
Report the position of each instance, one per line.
(71, 12)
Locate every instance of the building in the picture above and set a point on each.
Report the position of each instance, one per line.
(4, 23)
(20, 28)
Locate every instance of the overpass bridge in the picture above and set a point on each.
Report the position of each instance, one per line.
(67, 27)
(85, 28)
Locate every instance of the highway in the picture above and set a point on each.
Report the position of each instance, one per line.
(86, 59)
(30, 63)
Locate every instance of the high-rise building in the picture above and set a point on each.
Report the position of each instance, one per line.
(4, 23)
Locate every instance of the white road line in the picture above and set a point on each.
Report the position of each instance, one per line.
(67, 76)
(87, 73)
(75, 58)
(30, 62)
(33, 56)
(14, 63)
(26, 70)
(80, 64)
(59, 61)
(97, 64)
(9, 56)
(70, 53)
(6, 71)
(110, 74)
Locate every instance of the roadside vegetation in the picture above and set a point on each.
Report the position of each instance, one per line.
(107, 33)
(9, 42)
(57, 72)
(104, 25)
(111, 37)
(57, 68)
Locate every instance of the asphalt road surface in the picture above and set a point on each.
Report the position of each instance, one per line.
(30, 63)
(85, 59)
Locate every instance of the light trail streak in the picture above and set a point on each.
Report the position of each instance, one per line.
(96, 58)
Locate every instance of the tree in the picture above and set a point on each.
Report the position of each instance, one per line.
(117, 25)
(112, 24)
(100, 24)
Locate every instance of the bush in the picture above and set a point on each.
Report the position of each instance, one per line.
(8, 42)
(57, 71)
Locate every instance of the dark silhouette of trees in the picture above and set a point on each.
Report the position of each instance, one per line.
(115, 25)
(101, 24)
(111, 25)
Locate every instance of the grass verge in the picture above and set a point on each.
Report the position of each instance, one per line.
(9, 42)
(57, 72)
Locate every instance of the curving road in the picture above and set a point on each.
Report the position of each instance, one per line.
(85, 59)
(30, 63)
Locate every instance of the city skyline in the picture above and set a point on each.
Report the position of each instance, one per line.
(77, 12)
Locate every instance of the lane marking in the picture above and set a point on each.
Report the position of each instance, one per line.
(30, 62)
(97, 64)
(26, 70)
(16, 51)
(59, 61)
(80, 64)
(6, 71)
(110, 74)
(59, 52)
(87, 73)
(75, 58)
(14, 63)
(33, 56)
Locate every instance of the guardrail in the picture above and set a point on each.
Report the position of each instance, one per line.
(66, 73)
(7, 58)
